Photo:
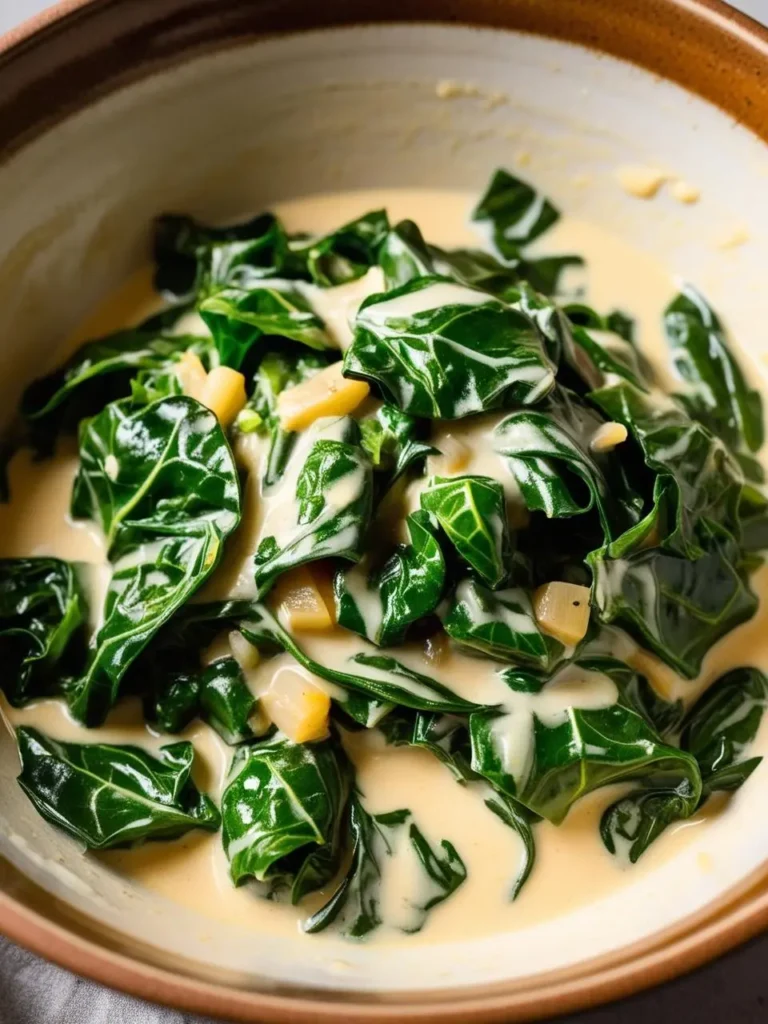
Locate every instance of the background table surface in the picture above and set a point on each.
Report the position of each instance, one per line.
(734, 989)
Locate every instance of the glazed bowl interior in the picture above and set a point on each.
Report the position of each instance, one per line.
(233, 132)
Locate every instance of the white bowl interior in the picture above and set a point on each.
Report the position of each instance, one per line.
(358, 108)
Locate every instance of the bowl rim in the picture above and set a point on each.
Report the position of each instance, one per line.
(738, 914)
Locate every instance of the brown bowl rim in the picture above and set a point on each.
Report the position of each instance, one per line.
(737, 915)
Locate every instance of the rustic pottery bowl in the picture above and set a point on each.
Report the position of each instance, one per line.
(111, 112)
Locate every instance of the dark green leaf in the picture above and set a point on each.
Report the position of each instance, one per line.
(365, 670)
(721, 726)
(382, 605)
(549, 454)
(582, 750)
(345, 254)
(355, 906)
(281, 797)
(321, 505)
(226, 702)
(110, 363)
(173, 700)
(629, 826)
(695, 472)
(516, 213)
(471, 511)
(717, 392)
(190, 255)
(676, 607)
(501, 624)
(636, 692)
(162, 484)
(440, 350)
(42, 620)
(107, 795)
(239, 317)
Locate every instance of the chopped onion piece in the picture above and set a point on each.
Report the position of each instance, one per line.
(328, 393)
(562, 611)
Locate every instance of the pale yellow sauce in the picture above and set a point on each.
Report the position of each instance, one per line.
(193, 870)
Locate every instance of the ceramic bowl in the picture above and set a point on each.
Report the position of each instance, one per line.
(111, 113)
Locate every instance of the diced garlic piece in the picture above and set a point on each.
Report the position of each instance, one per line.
(328, 393)
(243, 651)
(562, 611)
(608, 436)
(191, 375)
(299, 603)
(296, 706)
(224, 393)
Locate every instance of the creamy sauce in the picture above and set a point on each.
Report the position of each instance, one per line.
(193, 870)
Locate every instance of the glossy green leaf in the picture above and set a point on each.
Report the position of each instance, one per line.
(239, 317)
(226, 702)
(580, 751)
(173, 700)
(106, 795)
(629, 826)
(721, 726)
(515, 212)
(636, 692)
(472, 513)
(281, 798)
(717, 732)
(366, 670)
(717, 392)
(101, 371)
(440, 350)
(548, 452)
(323, 502)
(500, 624)
(190, 255)
(42, 626)
(345, 254)
(693, 467)
(162, 484)
(382, 605)
(676, 607)
(355, 908)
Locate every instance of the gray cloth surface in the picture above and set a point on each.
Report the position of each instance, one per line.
(35, 992)
(734, 990)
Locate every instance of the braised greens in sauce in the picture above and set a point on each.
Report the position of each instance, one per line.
(464, 517)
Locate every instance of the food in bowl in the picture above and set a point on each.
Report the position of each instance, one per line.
(350, 495)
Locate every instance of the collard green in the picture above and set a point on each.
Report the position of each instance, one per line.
(717, 392)
(226, 702)
(282, 799)
(442, 351)
(583, 749)
(472, 513)
(345, 254)
(162, 484)
(322, 502)
(500, 624)
(381, 606)
(42, 626)
(239, 317)
(355, 907)
(105, 795)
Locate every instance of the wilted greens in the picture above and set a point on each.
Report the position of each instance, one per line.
(395, 578)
